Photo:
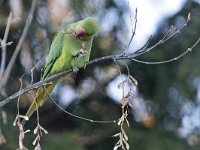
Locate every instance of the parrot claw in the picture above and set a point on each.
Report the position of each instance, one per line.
(75, 69)
(84, 65)
(81, 53)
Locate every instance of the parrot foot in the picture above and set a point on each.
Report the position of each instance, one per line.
(84, 66)
(81, 53)
(75, 69)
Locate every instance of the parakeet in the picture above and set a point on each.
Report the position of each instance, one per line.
(70, 48)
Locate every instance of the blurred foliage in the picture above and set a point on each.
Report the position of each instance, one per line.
(156, 83)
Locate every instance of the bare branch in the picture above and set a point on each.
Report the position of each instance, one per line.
(48, 80)
(122, 56)
(133, 26)
(6, 44)
(3, 44)
(7, 72)
(169, 60)
(144, 47)
(172, 32)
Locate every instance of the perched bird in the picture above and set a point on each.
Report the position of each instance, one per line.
(70, 48)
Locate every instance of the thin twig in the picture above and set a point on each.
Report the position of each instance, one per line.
(18, 99)
(169, 60)
(133, 26)
(76, 116)
(3, 44)
(121, 56)
(17, 121)
(18, 47)
(32, 69)
(169, 35)
(144, 47)
(6, 44)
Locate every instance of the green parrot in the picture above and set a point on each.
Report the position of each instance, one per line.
(70, 48)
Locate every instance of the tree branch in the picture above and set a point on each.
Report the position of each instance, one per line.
(110, 57)
(7, 72)
(133, 25)
(3, 44)
(6, 44)
(122, 56)
(169, 60)
(172, 32)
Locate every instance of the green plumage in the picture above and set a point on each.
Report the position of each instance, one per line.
(70, 48)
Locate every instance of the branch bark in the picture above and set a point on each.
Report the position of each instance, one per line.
(122, 56)
(110, 57)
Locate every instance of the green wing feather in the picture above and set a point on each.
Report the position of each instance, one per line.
(55, 52)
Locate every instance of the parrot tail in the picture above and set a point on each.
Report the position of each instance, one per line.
(41, 97)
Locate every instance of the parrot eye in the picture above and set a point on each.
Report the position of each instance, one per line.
(80, 33)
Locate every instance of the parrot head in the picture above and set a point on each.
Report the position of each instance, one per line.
(86, 28)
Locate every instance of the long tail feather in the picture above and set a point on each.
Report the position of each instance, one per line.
(41, 97)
